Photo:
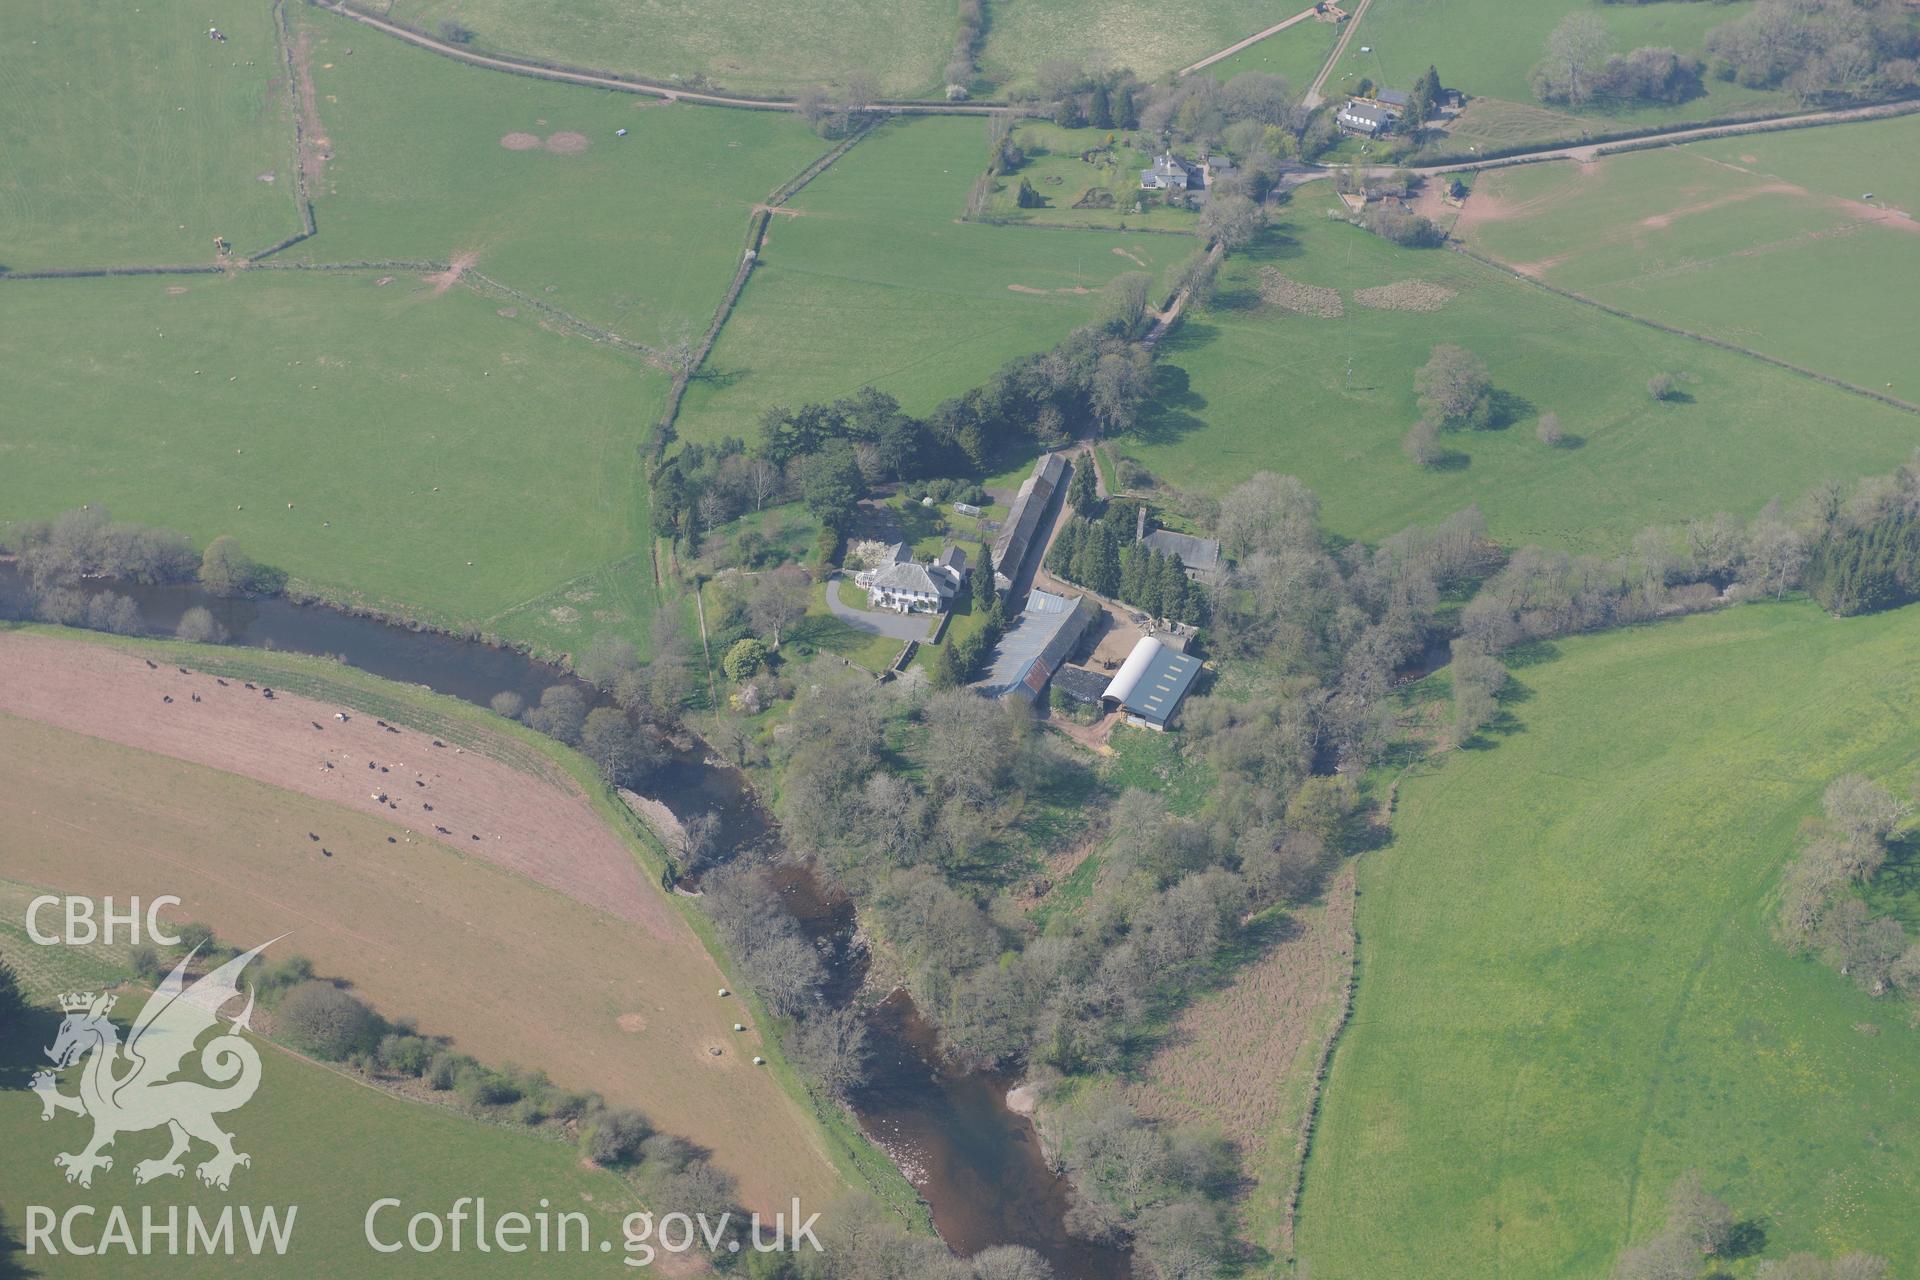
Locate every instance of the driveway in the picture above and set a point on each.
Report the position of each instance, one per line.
(900, 626)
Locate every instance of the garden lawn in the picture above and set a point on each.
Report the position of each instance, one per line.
(132, 137)
(1108, 185)
(1247, 385)
(639, 234)
(875, 280)
(1487, 47)
(755, 47)
(1568, 991)
(1762, 241)
(387, 446)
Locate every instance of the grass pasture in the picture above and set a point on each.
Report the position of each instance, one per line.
(386, 446)
(1248, 385)
(1487, 47)
(756, 47)
(873, 279)
(321, 1142)
(1568, 994)
(131, 137)
(1297, 53)
(1762, 241)
(1151, 39)
(639, 234)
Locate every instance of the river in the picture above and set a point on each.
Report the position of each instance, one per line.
(977, 1163)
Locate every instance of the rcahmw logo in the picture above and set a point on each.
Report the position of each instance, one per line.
(135, 1087)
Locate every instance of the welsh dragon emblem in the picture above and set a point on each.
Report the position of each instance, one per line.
(130, 1088)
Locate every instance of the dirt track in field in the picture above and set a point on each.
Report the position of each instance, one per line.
(524, 824)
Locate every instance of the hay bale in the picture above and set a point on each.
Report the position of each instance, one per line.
(1302, 299)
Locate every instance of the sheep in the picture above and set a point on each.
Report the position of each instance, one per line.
(151, 665)
(166, 697)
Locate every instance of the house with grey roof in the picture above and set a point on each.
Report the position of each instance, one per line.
(906, 586)
(1395, 98)
(1169, 173)
(1363, 116)
(1199, 557)
(1031, 507)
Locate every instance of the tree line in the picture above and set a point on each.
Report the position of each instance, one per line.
(84, 543)
(1820, 50)
(322, 1018)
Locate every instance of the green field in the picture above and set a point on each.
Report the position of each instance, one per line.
(877, 281)
(640, 234)
(1150, 39)
(1716, 237)
(1568, 993)
(1487, 47)
(323, 1143)
(130, 136)
(755, 47)
(384, 445)
(1297, 53)
(1247, 386)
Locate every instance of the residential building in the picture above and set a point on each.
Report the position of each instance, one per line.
(906, 586)
(1362, 116)
(1169, 173)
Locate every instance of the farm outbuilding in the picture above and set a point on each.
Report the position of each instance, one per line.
(1080, 684)
(1151, 683)
(1030, 508)
(1035, 646)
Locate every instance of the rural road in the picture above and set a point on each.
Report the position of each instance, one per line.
(1312, 99)
(1255, 38)
(898, 626)
(1594, 150)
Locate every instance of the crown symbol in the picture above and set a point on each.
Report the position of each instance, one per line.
(81, 1001)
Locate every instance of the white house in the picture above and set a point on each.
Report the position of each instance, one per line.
(909, 587)
(1169, 173)
(1362, 116)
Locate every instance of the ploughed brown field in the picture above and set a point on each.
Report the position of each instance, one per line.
(542, 943)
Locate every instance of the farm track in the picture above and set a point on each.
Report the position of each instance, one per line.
(1250, 41)
(1339, 49)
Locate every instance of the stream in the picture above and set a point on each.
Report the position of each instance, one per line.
(977, 1163)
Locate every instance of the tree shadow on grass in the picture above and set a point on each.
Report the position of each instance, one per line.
(1449, 460)
(1535, 653)
(1169, 414)
(1508, 408)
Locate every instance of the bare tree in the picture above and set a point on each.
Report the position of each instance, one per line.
(763, 481)
(779, 600)
(832, 1045)
(1576, 50)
